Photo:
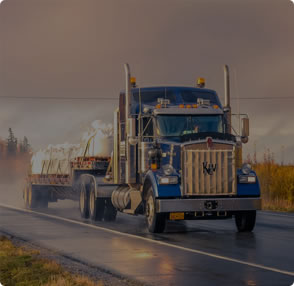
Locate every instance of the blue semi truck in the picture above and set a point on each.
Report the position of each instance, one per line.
(174, 158)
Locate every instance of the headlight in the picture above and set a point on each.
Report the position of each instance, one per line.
(247, 179)
(168, 169)
(246, 169)
(171, 180)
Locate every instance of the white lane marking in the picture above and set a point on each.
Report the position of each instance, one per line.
(280, 215)
(272, 269)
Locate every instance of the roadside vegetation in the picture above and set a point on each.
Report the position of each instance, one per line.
(276, 182)
(21, 267)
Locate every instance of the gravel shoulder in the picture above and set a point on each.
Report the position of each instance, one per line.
(73, 265)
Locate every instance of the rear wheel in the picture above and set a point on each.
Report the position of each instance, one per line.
(155, 221)
(110, 211)
(245, 221)
(97, 205)
(84, 201)
(32, 199)
(26, 196)
(43, 199)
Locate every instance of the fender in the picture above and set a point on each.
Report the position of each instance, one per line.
(248, 189)
(161, 191)
(151, 177)
(102, 190)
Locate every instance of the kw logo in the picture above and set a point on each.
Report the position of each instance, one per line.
(208, 168)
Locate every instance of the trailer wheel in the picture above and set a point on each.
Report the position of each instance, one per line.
(32, 202)
(43, 199)
(155, 221)
(110, 211)
(97, 205)
(245, 221)
(84, 201)
(26, 196)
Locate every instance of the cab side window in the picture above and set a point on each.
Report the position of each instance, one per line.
(147, 127)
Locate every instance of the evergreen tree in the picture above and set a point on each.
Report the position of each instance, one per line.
(11, 143)
(25, 146)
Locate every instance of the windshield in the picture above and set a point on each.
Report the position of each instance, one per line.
(178, 125)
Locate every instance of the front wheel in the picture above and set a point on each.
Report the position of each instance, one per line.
(155, 221)
(245, 221)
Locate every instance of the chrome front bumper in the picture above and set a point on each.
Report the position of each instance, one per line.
(210, 204)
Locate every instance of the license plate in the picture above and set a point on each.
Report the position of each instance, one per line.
(176, 216)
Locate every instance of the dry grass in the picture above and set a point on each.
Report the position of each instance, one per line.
(20, 267)
(277, 184)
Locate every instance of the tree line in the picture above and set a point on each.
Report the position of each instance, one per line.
(13, 146)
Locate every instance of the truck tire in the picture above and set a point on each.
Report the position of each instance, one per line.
(84, 201)
(245, 221)
(97, 205)
(155, 221)
(43, 199)
(110, 211)
(32, 197)
(26, 196)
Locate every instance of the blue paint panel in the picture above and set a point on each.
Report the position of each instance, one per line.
(248, 189)
(165, 147)
(169, 191)
(161, 191)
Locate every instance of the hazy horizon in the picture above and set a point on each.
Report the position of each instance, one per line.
(72, 48)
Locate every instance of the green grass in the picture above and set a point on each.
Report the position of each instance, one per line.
(20, 267)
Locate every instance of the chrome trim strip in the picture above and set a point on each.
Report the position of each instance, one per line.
(193, 205)
(215, 141)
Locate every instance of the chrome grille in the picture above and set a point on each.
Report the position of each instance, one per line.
(209, 171)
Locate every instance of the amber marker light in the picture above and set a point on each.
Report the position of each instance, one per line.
(158, 106)
(153, 166)
(182, 106)
(195, 106)
(188, 106)
(201, 82)
(215, 106)
(133, 82)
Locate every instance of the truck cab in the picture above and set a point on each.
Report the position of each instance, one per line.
(176, 159)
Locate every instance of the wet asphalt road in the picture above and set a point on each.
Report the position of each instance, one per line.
(224, 258)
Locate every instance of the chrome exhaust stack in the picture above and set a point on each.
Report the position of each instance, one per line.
(130, 130)
(128, 96)
(227, 107)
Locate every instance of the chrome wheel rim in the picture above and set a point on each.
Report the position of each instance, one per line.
(150, 210)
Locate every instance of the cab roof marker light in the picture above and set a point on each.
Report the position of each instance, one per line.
(182, 106)
(133, 82)
(188, 106)
(200, 82)
(195, 105)
(215, 106)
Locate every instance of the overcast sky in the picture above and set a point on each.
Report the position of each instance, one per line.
(77, 48)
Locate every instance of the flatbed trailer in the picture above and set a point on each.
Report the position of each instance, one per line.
(85, 173)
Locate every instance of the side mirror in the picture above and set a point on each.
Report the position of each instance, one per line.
(245, 130)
